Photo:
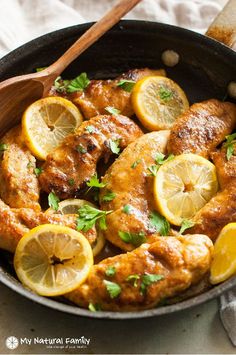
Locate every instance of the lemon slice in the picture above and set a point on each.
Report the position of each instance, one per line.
(53, 260)
(158, 101)
(224, 256)
(182, 186)
(71, 206)
(47, 122)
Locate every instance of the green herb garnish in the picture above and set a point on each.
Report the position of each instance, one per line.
(87, 217)
(153, 169)
(78, 84)
(135, 239)
(160, 158)
(30, 165)
(90, 129)
(160, 223)
(186, 224)
(110, 271)
(53, 201)
(81, 149)
(114, 146)
(113, 288)
(126, 85)
(60, 85)
(133, 166)
(38, 171)
(94, 182)
(109, 196)
(229, 145)
(112, 110)
(133, 278)
(71, 182)
(147, 280)
(40, 69)
(94, 307)
(3, 147)
(127, 209)
(165, 94)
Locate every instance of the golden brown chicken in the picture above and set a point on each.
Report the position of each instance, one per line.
(103, 93)
(19, 185)
(74, 162)
(14, 223)
(130, 179)
(149, 274)
(202, 128)
(226, 169)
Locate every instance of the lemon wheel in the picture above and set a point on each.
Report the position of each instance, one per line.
(158, 101)
(46, 122)
(71, 206)
(53, 260)
(183, 185)
(224, 256)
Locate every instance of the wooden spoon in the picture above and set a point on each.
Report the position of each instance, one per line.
(20, 91)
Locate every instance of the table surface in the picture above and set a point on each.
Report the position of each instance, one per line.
(195, 331)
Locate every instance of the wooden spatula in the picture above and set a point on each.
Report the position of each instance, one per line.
(18, 92)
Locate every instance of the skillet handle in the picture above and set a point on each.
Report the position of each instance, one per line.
(223, 28)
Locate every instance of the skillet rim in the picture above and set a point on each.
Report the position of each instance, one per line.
(26, 49)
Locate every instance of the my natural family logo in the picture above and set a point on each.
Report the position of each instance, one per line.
(13, 342)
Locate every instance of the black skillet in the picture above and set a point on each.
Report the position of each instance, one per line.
(205, 69)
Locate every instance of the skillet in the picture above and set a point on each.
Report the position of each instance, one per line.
(205, 69)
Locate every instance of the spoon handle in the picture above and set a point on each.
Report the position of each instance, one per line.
(92, 35)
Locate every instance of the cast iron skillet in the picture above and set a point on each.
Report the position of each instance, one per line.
(204, 71)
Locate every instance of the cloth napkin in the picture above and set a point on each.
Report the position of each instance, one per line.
(23, 20)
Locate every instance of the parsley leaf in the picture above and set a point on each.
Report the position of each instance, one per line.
(94, 182)
(110, 271)
(53, 201)
(78, 84)
(71, 182)
(135, 239)
(81, 149)
(109, 196)
(94, 307)
(133, 278)
(112, 110)
(229, 144)
(147, 280)
(40, 69)
(114, 146)
(160, 158)
(153, 169)
(38, 171)
(87, 217)
(186, 224)
(165, 94)
(133, 166)
(90, 129)
(127, 209)
(126, 85)
(160, 223)
(113, 288)
(60, 85)
(3, 147)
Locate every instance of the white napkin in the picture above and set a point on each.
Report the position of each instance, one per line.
(23, 20)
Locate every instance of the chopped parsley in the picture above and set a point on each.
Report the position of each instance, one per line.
(134, 279)
(94, 307)
(60, 85)
(30, 165)
(133, 166)
(114, 146)
(53, 201)
(149, 279)
(126, 85)
(127, 209)
(153, 169)
(90, 129)
(78, 84)
(109, 196)
(160, 158)
(40, 69)
(112, 110)
(87, 217)
(135, 239)
(3, 147)
(229, 145)
(113, 288)
(94, 182)
(165, 94)
(110, 271)
(71, 182)
(81, 149)
(186, 224)
(160, 223)
(38, 171)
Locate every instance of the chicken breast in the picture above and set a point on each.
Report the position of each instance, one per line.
(202, 128)
(103, 93)
(74, 162)
(147, 275)
(130, 179)
(14, 223)
(226, 169)
(19, 185)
